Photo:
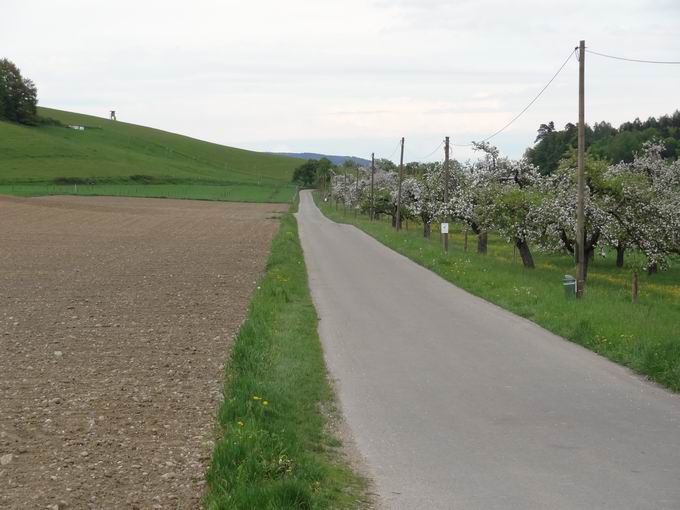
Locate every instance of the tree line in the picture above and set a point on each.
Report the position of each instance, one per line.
(630, 206)
(605, 141)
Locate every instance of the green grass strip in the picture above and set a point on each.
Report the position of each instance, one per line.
(276, 451)
(193, 191)
(644, 336)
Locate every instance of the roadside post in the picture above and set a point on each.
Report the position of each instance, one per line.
(444, 230)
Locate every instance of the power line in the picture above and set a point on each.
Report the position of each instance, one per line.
(431, 153)
(394, 151)
(571, 53)
(669, 62)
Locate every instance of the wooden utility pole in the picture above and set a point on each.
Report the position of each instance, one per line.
(401, 177)
(344, 199)
(446, 190)
(580, 178)
(334, 195)
(356, 189)
(372, 176)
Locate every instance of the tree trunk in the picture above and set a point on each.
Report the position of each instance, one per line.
(427, 229)
(525, 253)
(634, 287)
(465, 240)
(620, 252)
(589, 253)
(482, 243)
(653, 269)
(586, 264)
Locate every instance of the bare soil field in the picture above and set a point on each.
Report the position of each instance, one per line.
(116, 317)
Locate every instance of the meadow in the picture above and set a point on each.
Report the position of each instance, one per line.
(114, 157)
(644, 336)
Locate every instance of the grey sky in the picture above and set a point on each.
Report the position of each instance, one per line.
(345, 77)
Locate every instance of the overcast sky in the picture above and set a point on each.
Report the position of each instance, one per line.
(345, 77)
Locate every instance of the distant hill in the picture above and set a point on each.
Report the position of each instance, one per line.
(336, 160)
(99, 149)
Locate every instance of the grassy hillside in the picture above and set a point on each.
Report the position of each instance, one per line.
(113, 155)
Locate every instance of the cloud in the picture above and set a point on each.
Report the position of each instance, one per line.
(302, 74)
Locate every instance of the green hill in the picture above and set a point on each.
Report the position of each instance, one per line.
(604, 141)
(112, 157)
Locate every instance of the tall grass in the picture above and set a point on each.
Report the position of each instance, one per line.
(275, 452)
(643, 336)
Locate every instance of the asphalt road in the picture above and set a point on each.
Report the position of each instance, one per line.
(458, 404)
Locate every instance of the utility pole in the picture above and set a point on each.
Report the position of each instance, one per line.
(401, 176)
(580, 178)
(372, 175)
(356, 188)
(446, 190)
(334, 192)
(344, 199)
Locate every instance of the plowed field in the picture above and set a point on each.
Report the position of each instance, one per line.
(116, 317)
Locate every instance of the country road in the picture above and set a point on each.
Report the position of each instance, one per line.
(457, 404)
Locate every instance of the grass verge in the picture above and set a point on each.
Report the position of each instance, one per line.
(275, 451)
(644, 336)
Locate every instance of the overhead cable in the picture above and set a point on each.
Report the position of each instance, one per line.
(641, 61)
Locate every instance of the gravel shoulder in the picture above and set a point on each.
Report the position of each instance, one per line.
(116, 316)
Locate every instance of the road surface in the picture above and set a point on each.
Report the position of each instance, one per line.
(457, 404)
